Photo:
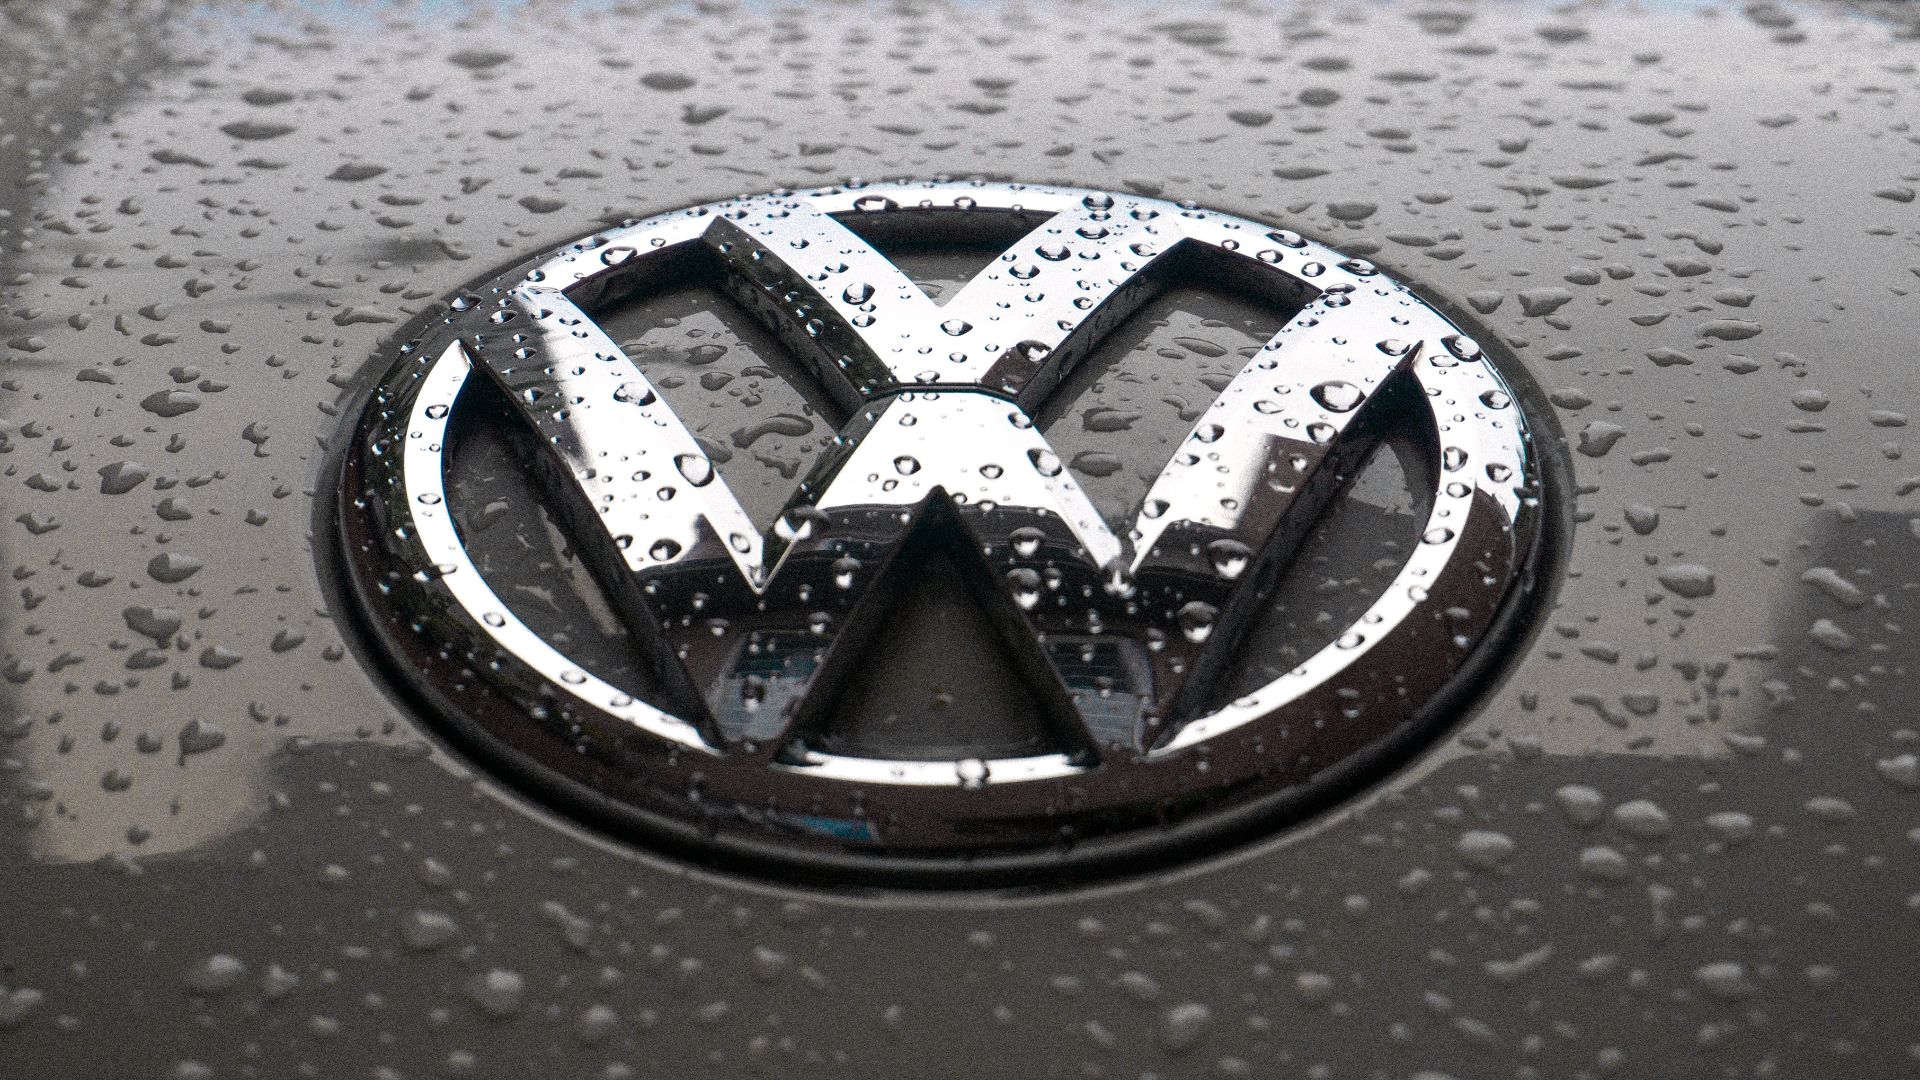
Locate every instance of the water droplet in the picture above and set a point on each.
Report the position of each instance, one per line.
(844, 569)
(972, 772)
(1229, 558)
(1484, 848)
(1025, 583)
(1196, 619)
(696, 468)
(1337, 396)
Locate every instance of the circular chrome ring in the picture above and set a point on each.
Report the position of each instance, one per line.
(1362, 352)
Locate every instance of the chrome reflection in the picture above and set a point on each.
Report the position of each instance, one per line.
(1122, 636)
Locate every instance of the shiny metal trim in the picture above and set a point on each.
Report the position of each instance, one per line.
(940, 398)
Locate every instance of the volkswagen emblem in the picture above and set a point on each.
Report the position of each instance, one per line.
(749, 637)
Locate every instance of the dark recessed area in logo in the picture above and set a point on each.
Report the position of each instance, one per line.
(945, 533)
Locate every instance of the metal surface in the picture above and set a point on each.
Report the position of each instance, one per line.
(1123, 637)
(1677, 839)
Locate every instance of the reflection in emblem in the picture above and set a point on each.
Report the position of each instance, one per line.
(1123, 635)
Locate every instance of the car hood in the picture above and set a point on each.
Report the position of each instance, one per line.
(1677, 837)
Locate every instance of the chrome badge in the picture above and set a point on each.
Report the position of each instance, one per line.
(750, 635)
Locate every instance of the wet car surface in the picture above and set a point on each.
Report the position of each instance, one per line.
(1676, 837)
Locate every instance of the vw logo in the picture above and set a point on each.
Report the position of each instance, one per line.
(1123, 633)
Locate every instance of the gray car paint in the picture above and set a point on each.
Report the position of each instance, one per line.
(1677, 840)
